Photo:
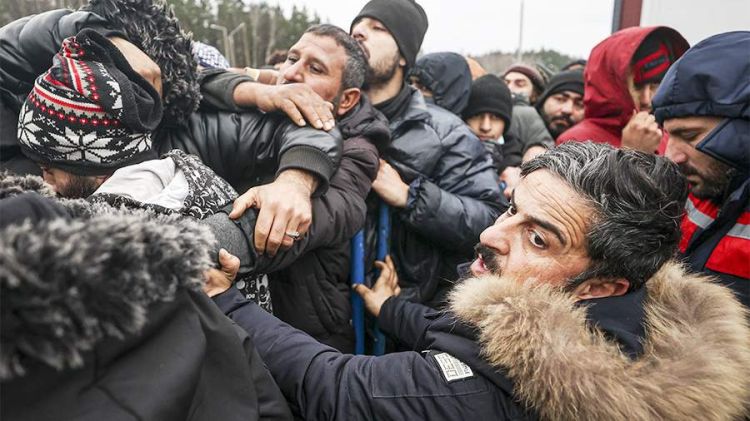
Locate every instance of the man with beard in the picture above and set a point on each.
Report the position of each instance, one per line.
(312, 294)
(525, 82)
(572, 312)
(435, 175)
(705, 109)
(561, 104)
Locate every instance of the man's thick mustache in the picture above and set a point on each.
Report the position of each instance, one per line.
(565, 119)
(489, 257)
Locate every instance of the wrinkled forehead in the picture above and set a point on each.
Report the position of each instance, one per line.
(546, 196)
(517, 76)
(323, 48)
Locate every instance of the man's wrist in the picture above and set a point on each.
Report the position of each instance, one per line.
(304, 179)
(246, 94)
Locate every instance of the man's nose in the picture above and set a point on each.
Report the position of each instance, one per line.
(675, 151)
(567, 107)
(485, 125)
(359, 33)
(293, 74)
(496, 238)
(647, 96)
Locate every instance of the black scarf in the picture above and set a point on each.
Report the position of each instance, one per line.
(397, 105)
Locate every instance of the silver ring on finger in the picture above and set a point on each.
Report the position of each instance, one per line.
(294, 235)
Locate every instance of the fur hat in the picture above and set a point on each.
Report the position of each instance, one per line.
(90, 113)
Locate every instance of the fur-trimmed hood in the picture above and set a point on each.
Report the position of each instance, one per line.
(695, 364)
(67, 284)
(152, 26)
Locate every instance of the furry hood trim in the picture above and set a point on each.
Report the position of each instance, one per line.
(152, 25)
(695, 365)
(65, 285)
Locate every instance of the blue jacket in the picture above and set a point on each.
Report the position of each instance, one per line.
(716, 234)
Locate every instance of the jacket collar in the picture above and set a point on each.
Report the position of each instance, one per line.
(416, 111)
(620, 319)
(697, 334)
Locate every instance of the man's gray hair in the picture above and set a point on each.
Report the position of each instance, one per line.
(638, 199)
(355, 70)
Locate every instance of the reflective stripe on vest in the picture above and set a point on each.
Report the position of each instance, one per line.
(698, 214)
(732, 254)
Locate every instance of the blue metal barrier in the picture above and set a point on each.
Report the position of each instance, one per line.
(357, 276)
(384, 241)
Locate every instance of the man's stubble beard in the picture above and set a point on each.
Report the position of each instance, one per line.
(715, 182)
(556, 131)
(79, 187)
(380, 73)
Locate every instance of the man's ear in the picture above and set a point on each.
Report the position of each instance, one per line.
(600, 288)
(349, 99)
(401, 61)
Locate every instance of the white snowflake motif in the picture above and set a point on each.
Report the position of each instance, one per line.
(139, 142)
(115, 93)
(27, 130)
(81, 146)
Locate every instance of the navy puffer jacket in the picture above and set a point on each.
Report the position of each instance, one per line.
(453, 197)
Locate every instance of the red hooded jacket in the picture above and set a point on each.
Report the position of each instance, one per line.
(608, 104)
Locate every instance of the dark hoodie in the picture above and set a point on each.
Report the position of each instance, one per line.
(607, 101)
(448, 77)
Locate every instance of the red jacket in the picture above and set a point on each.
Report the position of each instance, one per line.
(608, 105)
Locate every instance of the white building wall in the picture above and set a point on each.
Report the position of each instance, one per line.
(697, 19)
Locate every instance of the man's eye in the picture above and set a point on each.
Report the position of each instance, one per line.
(291, 59)
(511, 210)
(537, 240)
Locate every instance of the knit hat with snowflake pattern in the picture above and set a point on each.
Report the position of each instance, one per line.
(90, 113)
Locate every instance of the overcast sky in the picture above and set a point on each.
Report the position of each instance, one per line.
(479, 26)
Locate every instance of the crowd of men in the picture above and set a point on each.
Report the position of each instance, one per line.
(175, 234)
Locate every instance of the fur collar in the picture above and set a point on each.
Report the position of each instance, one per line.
(695, 365)
(67, 284)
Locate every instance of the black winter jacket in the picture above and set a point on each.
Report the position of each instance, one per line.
(103, 318)
(453, 197)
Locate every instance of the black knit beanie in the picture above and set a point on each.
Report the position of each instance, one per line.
(489, 94)
(652, 59)
(570, 80)
(90, 113)
(405, 19)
